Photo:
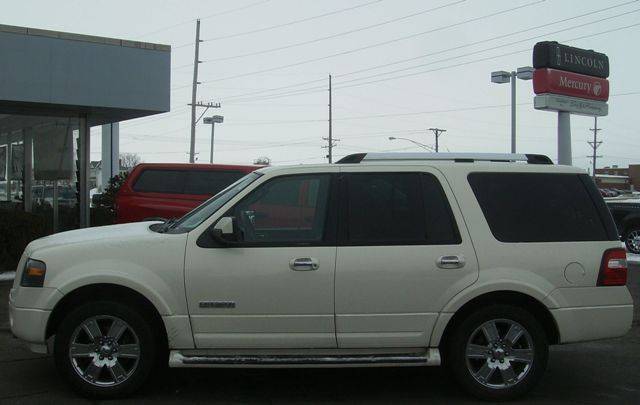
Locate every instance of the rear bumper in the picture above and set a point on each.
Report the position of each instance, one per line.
(592, 323)
(591, 313)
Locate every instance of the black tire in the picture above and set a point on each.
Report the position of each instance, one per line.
(629, 233)
(140, 331)
(527, 373)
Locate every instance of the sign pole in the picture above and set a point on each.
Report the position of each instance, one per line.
(513, 112)
(564, 138)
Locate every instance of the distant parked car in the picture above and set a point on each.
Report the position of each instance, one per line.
(609, 192)
(170, 190)
(626, 214)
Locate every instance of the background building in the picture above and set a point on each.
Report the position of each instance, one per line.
(623, 178)
(54, 86)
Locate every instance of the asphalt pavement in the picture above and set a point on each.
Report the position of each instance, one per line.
(602, 372)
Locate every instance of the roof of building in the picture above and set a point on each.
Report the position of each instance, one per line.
(84, 38)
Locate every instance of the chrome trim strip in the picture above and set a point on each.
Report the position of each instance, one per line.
(430, 358)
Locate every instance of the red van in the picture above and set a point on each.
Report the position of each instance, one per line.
(170, 190)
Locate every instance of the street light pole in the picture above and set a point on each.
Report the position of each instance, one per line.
(213, 128)
(422, 145)
(500, 77)
(216, 119)
(513, 112)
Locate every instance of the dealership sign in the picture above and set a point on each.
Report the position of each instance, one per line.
(580, 106)
(562, 57)
(570, 84)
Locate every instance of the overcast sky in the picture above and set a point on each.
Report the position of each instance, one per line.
(399, 67)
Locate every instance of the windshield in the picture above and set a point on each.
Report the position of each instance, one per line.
(206, 209)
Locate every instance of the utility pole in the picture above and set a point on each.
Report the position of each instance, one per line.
(329, 139)
(196, 62)
(594, 145)
(437, 132)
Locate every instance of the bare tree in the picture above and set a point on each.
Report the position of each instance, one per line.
(129, 160)
(262, 160)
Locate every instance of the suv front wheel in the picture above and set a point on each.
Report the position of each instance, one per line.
(498, 352)
(105, 349)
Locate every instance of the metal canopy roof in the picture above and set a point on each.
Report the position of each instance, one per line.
(51, 73)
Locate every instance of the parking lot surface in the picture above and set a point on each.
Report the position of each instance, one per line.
(602, 372)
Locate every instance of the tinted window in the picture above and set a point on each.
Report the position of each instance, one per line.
(441, 227)
(537, 207)
(209, 182)
(160, 181)
(396, 208)
(286, 209)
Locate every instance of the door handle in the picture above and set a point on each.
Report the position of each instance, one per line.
(304, 264)
(450, 262)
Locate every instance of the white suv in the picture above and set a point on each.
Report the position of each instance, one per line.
(477, 261)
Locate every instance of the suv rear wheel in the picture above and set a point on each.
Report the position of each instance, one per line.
(105, 349)
(498, 352)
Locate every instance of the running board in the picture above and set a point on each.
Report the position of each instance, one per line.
(429, 358)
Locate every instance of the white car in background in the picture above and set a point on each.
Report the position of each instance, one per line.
(477, 261)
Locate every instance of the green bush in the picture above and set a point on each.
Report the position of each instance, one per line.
(17, 229)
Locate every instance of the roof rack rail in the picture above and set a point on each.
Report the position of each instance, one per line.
(456, 157)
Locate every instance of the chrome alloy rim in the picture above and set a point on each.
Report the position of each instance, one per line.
(104, 351)
(633, 241)
(499, 353)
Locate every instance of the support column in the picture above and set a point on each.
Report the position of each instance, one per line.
(564, 138)
(9, 165)
(110, 153)
(84, 158)
(27, 139)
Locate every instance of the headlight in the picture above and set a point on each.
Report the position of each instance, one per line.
(33, 273)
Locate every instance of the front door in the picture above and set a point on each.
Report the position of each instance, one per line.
(275, 288)
(403, 253)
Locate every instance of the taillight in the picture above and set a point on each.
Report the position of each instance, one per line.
(613, 270)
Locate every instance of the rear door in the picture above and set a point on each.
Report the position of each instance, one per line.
(403, 252)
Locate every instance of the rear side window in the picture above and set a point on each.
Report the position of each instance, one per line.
(160, 181)
(538, 207)
(200, 182)
(398, 208)
(210, 182)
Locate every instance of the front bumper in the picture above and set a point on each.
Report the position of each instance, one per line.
(28, 324)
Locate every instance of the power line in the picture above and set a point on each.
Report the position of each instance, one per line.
(317, 89)
(350, 51)
(441, 51)
(337, 35)
(493, 47)
(272, 27)
(203, 18)
(510, 34)
(310, 90)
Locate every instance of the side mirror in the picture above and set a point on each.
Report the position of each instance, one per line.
(223, 231)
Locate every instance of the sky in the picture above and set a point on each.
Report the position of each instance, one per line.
(399, 67)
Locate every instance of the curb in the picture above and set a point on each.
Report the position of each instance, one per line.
(6, 276)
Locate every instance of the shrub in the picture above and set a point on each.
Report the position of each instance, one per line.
(17, 229)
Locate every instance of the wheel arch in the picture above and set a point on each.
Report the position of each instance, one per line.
(628, 221)
(105, 291)
(522, 300)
